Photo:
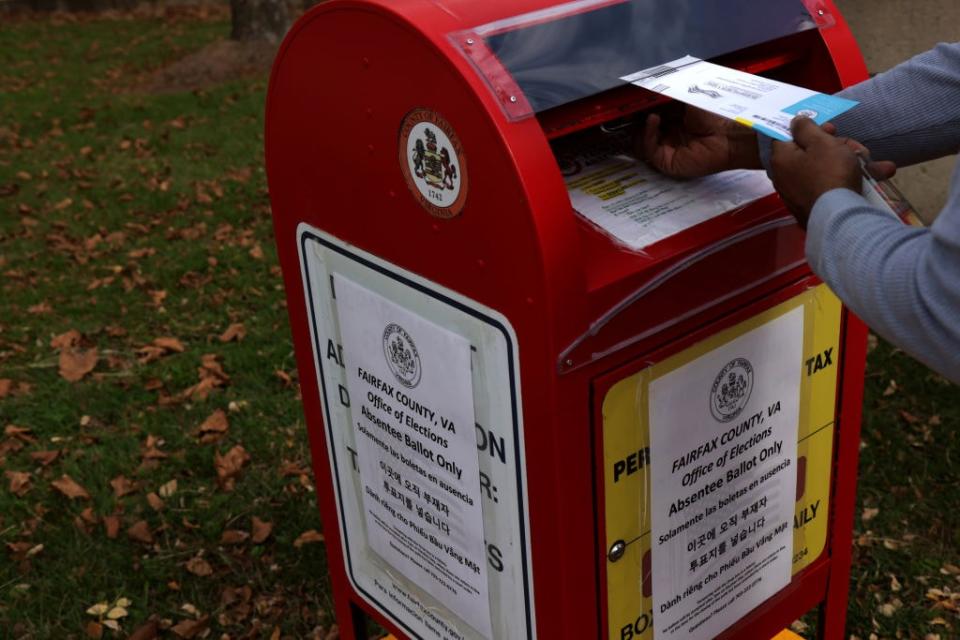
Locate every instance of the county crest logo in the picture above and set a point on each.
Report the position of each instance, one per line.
(433, 163)
(731, 390)
(402, 356)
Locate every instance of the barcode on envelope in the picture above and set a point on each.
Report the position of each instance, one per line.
(658, 72)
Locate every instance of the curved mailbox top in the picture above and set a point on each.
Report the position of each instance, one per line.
(578, 49)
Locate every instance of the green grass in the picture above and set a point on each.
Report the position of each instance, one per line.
(908, 473)
(181, 174)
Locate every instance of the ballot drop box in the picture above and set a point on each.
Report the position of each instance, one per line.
(550, 393)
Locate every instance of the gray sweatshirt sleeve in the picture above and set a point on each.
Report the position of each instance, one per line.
(910, 113)
(904, 282)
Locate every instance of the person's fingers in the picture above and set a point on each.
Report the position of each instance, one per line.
(651, 136)
(829, 127)
(806, 132)
(782, 150)
(858, 148)
(882, 169)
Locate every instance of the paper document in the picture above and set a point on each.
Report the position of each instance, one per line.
(761, 103)
(411, 396)
(640, 206)
(723, 452)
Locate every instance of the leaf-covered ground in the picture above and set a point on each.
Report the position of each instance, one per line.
(155, 466)
(156, 474)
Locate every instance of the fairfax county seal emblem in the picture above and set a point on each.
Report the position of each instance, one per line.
(433, 163)
(402, 356)
(731, 389)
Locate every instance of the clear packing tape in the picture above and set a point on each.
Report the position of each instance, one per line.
(627, 459)
(542, 59)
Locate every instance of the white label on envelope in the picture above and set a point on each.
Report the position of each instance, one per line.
(723, 451)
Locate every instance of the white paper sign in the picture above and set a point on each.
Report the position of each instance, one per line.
(411, 398)
(640, 206)
(723, 448)
(765, 104)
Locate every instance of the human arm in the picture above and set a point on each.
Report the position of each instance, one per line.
(904, 282)
(910, 113)
(906, 115)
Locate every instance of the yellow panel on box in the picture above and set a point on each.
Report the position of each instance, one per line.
(627, 457)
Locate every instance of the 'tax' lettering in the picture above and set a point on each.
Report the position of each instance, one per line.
(822, 361)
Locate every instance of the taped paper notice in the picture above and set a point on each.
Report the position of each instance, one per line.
(761, 103)
(640, 206)
(723, 466)
(411, 393)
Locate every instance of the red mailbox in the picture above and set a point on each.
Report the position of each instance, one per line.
(521, 426)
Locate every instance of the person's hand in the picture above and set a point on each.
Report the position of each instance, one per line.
(699, 145)
(817, 162)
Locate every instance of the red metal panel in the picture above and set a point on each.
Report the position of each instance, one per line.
(334, 109)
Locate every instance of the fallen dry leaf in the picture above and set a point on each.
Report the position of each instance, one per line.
(111, 524)
(170, 344)
(167, 489)
(76, 363)
(214, 427)
(140, 531)
(65, 340)
(151, 449)
(154, 501)
(234, 536)
(869, 513)
(261, 530)
(199, 567)
(149, 353)
(45, 458)
(117, 612)
(211, 375)
(147, 631)
(122, 486)
(19, 482)
(228, 466)
(895, 584)
(308, 537)
(256, 252)
(6, 384)
(69, 487)
(19, 550)
(188, 629)
(94, 630)
(235, 331)
(20, 433)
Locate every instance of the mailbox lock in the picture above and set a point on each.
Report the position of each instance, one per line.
(617, 549)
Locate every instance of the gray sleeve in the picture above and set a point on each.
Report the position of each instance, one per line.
(908, 114)
(902, 281)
